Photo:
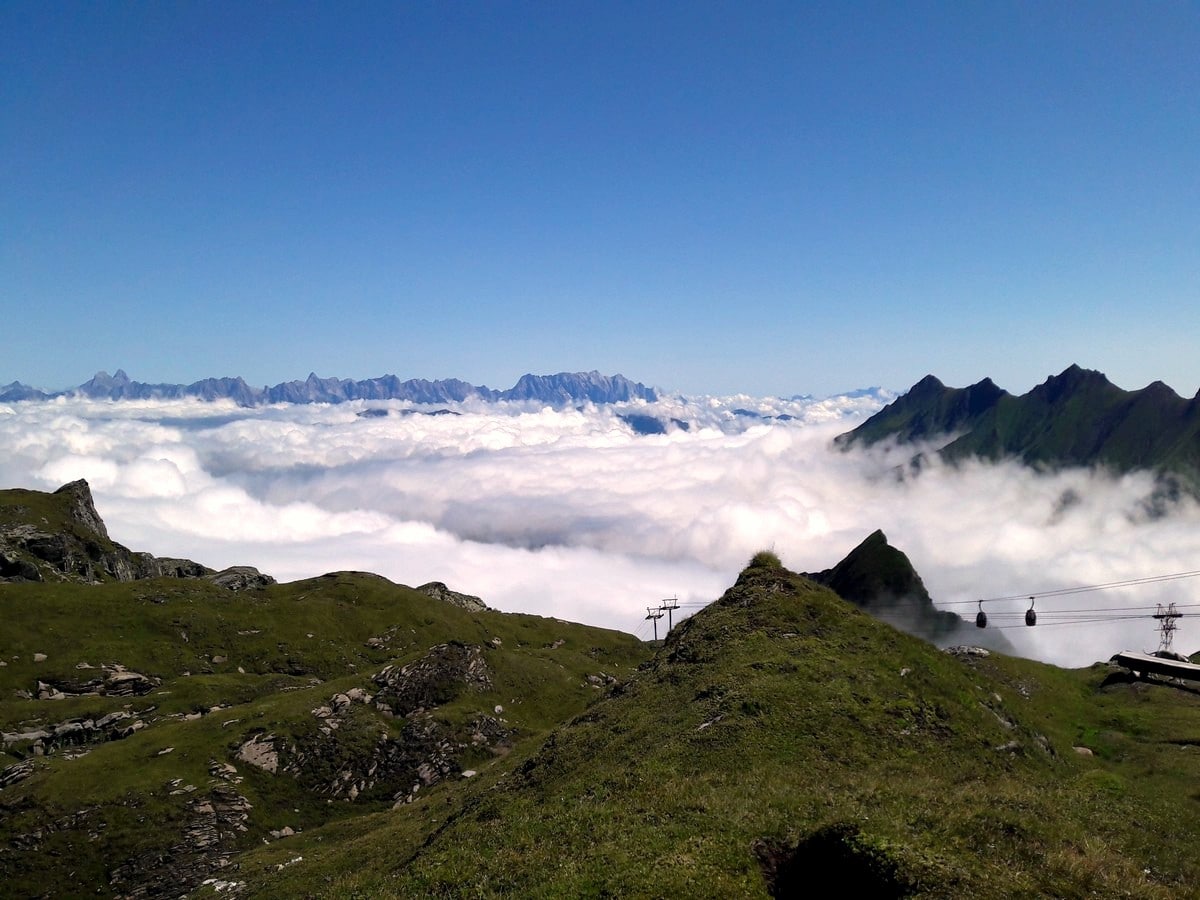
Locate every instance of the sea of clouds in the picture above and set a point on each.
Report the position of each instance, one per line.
(569, 513)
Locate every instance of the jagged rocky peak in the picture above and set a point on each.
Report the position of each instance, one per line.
(881, 579)
(928, 385)
(1072, 380)
(875, 574)
(83, 508)
(60, 536)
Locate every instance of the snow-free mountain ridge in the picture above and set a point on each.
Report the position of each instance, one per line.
(1075, 418)
(555, 390)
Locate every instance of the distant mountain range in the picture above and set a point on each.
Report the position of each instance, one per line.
(1076, 418)
(556, 390)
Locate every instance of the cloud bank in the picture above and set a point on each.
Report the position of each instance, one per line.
(570, 513)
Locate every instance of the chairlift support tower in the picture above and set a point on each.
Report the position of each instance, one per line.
(669, 605)
(654, 614)
(1167, 617)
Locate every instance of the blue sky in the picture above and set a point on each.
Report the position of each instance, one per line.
(773, 198)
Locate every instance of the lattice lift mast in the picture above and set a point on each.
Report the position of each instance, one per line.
(1167, 617)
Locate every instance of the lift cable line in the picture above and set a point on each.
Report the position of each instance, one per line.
(1082, 589)
(1167, 616)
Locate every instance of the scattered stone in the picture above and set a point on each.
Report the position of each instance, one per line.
(469, 773)
(1083, 751)
(165, 751)
(217, 660)
(39, 657)
(904, 672)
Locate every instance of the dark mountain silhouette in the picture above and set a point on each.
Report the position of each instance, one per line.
(880, 579)
(1076, 418)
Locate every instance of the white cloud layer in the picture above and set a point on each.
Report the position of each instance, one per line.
(569, 513)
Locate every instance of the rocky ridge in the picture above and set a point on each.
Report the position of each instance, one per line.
(562, 389)
(61, 537)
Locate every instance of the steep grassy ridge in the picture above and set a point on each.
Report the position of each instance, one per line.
(781, 735)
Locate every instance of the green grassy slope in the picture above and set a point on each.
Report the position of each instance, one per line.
(267, 658)
(782, 725)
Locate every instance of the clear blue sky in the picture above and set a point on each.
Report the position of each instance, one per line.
(714, 197)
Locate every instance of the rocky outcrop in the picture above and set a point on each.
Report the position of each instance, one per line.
(114, 681)
(438, 591)
(260, 752)
(241, 578)
(81, 507)
(16, 772)
(79, 731)
(388, 745)
(61, 537)
(212, 834)
(438, 677)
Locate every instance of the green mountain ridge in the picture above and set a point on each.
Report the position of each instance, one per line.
(1076, 418)
(782, 741)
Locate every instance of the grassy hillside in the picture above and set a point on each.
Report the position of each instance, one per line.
(221, 668)
(344, 736)
(780, 736)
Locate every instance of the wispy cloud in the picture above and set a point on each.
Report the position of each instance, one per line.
(569, 513)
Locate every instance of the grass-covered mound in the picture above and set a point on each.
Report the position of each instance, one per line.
(781, 738)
